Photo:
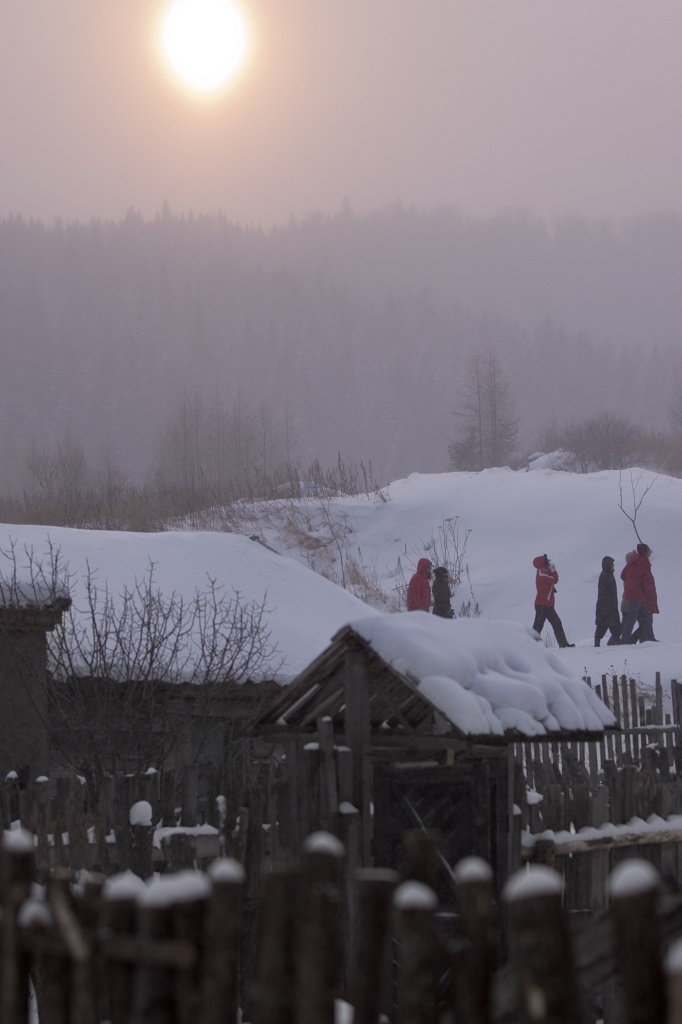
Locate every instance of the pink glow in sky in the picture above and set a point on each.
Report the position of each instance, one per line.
(548, 105)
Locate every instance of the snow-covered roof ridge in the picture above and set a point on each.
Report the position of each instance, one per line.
(486, 677)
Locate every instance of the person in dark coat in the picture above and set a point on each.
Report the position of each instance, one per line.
(419, 588)
(639, 590)
(546, 579)
(607, 615)
(442, 593)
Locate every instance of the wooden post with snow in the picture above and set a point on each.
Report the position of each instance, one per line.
(222, 943)
(540, 947)
(419, 953)
(634, 889)
(17, 869)
(475, 964)
(319, 947)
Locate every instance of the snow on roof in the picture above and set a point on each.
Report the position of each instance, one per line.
(303, 609)
(29, 593)
(486, 678)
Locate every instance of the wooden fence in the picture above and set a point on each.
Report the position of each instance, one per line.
(583, 806)
(174, 951)
(580, 806)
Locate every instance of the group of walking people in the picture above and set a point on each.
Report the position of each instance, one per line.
(638, 606)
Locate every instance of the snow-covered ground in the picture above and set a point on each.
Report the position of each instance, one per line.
(507, 518)
(514, 516)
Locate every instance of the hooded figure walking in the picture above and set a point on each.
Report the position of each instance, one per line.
(546, 579)
(442, 593)
(419, 588)
(639, 590)
(607, 615)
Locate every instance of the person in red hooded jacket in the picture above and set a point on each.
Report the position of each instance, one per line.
(419, 588)
(639, 591)
(546, 579)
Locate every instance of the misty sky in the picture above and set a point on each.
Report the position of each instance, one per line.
(551, 106)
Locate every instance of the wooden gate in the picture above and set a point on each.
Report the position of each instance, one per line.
(467, 803)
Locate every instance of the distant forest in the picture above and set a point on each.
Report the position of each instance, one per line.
(193, 344)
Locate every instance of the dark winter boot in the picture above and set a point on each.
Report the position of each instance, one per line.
(597, 642)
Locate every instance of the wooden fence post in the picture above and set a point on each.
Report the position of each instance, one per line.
(673, 970)
(374, 889)
(17, 865)
(422, 863)
(634, 890)
(119, 917)
(418, 962)
(221, 944)
(319, 949)
(154, 995)
(88, 972)
(192, 891)
(141, 838)
(475, 963)
(271, 992)
(540, 947)
(59, 994)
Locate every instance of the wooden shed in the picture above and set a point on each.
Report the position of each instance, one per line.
(376, 738)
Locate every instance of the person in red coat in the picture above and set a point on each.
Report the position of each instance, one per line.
(419, 588)
(639, 591)
(546, 579)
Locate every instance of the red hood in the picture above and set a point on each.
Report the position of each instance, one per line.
(424, 566)
(539, 562)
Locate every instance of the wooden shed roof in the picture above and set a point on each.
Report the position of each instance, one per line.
(397, 708)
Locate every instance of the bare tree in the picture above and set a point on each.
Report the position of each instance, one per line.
(487, 424)
(129, 674)
(675, 413)
(605, 441)
(638, 497)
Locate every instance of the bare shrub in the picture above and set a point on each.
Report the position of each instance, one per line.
(128, 674)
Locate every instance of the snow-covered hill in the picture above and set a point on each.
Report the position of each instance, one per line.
(498, 520)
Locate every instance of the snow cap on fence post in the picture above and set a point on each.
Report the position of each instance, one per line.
(633, 877)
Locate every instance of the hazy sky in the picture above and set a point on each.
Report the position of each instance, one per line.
(552, 106)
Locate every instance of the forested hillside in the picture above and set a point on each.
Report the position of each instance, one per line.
(153, 343)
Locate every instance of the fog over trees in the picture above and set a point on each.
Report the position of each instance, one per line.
(192, 345)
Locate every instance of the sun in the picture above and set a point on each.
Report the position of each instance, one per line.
(204, 42)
